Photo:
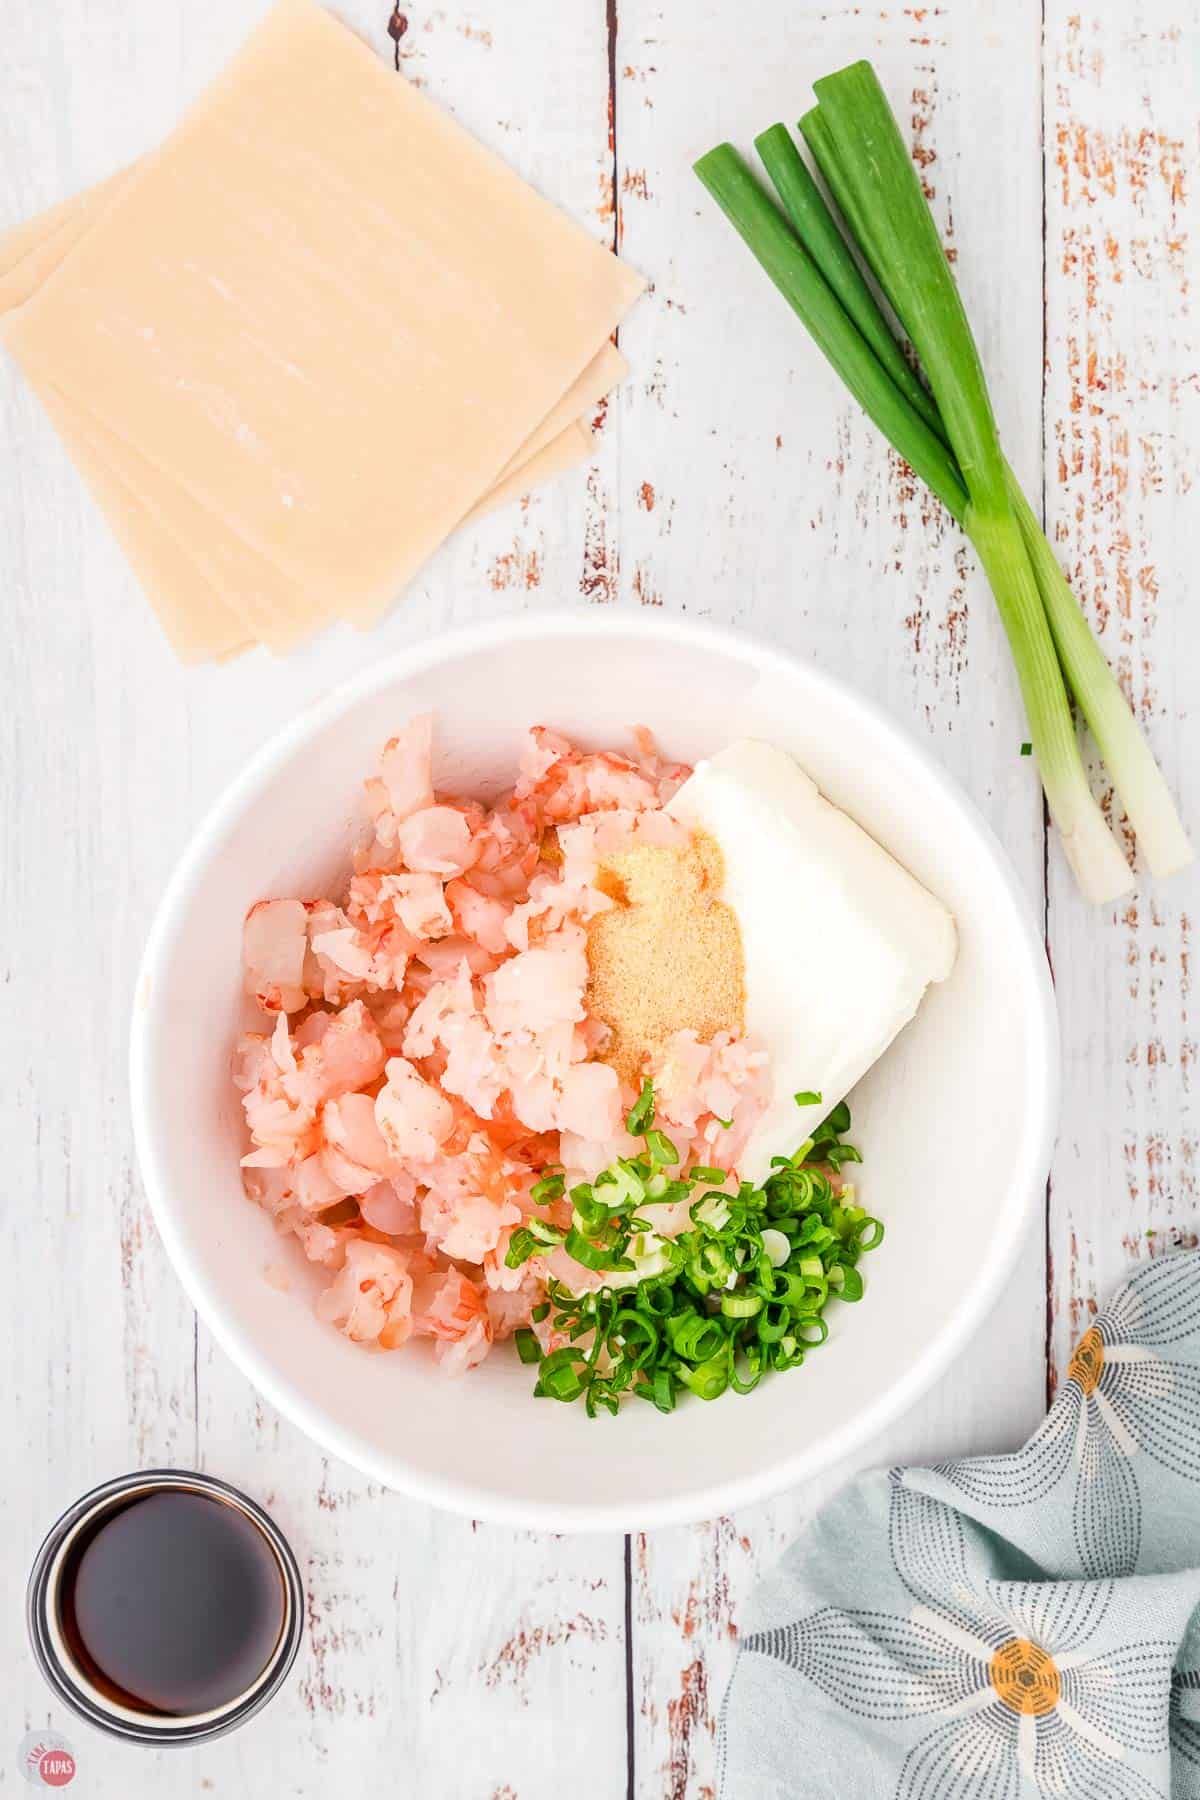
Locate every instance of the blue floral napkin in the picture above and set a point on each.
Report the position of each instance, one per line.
(1007, 1626)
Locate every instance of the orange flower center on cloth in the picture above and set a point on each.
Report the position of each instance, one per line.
(1087, 1364)
(1025, 1678)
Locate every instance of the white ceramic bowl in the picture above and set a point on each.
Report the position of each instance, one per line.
(980, 1061)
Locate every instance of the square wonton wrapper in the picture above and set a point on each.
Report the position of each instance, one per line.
(325, 313)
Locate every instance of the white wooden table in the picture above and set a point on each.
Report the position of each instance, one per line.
(732, 480)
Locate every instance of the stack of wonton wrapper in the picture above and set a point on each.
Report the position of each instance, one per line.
(296, 346)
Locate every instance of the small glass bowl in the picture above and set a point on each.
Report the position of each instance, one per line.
(63, 1672)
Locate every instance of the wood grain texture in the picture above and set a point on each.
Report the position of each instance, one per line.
(1122, 427)
(733, 480)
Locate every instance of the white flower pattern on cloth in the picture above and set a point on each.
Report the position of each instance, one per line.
(1123, 1393)
(1004, 1670)
(1007, 1627)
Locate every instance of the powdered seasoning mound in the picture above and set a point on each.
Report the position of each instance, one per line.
(668, 955)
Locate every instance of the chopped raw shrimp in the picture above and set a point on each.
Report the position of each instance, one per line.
(272, 1189)
(348, 1055)
(391, 1013)
(390, 1206)
(506, 1311)
(567, 782)
(320, 1242)
(461, 1221)
(371, 1298)
(378, 958)
(413, 1117)
(416, 902)
(541, 987)
(453, 1311)
(480, 917)
(443, 958)
(590, 1104)
(274, 945)
(712, 1093)
(284, 1131)
(350, 1126)
(430, 1054)
(437, 839)
(406, 767)
(314, 1186)
(668, 777)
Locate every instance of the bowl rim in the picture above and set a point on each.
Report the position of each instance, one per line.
(978, 1294)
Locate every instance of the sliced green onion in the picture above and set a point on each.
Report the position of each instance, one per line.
(714, 1308)
(741, 1304)
(641, 1115)
(588, 1215)
(948, 436)
(544, 1231)
(521, 1246)
(709, 1380)
(807, 1097)
(550, 1187)
(599, 1257)
(693, 1337)
(850, 1284)
(660, 1149)
(777, 1246)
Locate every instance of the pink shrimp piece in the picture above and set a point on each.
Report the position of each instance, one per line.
(371, 1299)
(406, 768)
(420, 903)
(348, 1055)
(443, 958)
(507, 1311)
(414, 1119)
(478, 916)
(461, 1221)
(284, 1131)
(272, 1189)
(590, 1102)
(274, 943)
(507, 850)
(540, 987)
(314, 1186)
(323, 979)
(438, 840)
(414, 904)
(668, 777)
(474, 1068)
(391, 1013)
(430, 1022)
(253, 1061)
(379, 959)
(320, 1243)
(453, 1311)
(568, 783)
(390, 1206)
(350, 1127)
(540, 751)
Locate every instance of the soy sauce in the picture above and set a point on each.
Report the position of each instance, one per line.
(172, 1604)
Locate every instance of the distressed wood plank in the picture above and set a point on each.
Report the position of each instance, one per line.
(1122, 460)
(453, 1655)
(752, 491)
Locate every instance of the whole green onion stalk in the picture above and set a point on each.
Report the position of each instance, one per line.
(946, 431)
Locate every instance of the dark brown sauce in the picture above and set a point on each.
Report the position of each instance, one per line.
(172, 1604)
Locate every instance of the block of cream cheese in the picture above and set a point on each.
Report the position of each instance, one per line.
(839, 942)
